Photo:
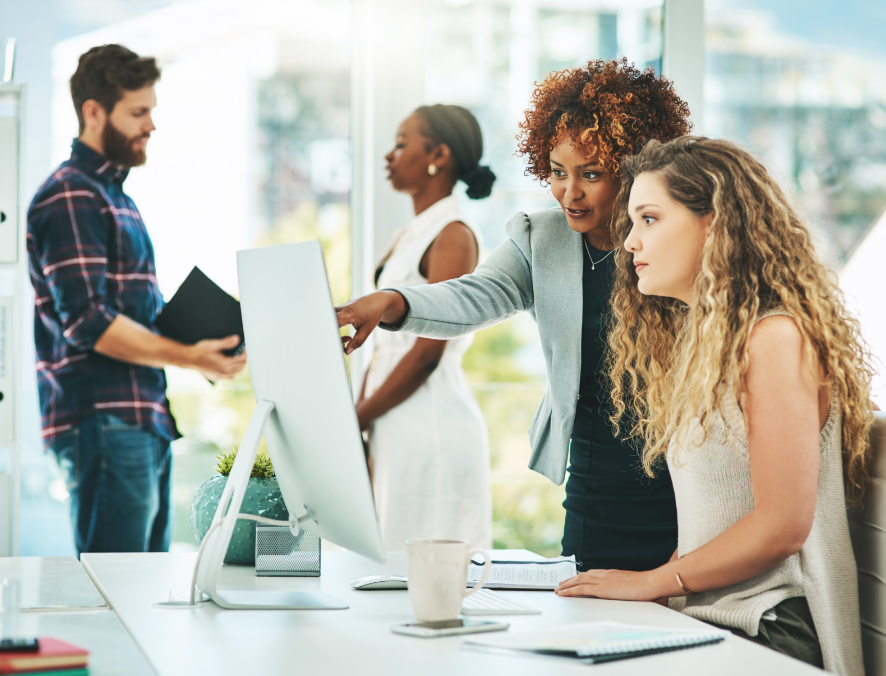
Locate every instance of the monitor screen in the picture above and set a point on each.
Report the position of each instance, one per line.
(296, 362)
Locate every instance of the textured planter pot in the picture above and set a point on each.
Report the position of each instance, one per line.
(263, 498)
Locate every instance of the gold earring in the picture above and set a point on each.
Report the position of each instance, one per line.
(432, 169)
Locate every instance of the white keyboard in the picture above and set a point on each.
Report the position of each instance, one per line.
(488, 602)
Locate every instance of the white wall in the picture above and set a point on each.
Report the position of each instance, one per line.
(683, 54)
(196, 192)
(863, 280)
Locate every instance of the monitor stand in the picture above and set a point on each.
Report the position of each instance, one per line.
(214, 554)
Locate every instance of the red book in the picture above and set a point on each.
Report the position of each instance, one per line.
(53, 654)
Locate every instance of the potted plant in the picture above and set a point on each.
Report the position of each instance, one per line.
(262, 498)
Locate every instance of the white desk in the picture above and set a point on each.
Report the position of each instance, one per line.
(208, 640)
(52, 581)
(79, 616)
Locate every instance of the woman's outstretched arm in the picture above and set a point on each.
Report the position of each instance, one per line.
(785, 412)
(496, 290)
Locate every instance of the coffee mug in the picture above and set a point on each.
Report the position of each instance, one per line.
(438, 575)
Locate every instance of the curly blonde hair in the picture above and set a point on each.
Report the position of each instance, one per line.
(610, 107)
(672, 363)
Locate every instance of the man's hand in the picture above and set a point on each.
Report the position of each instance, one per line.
(129, 341)
(365, 313)
(207, 357)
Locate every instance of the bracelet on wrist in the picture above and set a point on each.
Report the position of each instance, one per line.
(688, 591)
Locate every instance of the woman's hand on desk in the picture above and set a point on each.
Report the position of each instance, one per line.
(365, 313)
(625, 585)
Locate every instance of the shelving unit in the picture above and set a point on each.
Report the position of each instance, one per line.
(13, 283)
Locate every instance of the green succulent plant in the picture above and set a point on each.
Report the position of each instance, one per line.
(262, 468)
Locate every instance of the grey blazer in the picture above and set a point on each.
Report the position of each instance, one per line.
(537, 270)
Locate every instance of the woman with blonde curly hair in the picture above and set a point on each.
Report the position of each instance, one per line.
(557, 265)
(734, 359)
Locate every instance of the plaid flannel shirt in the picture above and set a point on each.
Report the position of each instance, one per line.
(91, 259)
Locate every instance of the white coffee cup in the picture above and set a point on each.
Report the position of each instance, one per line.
(438, 575)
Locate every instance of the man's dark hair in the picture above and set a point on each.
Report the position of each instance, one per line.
(105, 72)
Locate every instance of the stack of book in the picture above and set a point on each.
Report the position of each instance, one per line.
(51, 657)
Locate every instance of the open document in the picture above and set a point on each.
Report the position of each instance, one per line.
(597, 641)
(546, 574)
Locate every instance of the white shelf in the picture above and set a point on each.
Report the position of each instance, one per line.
(13, 287)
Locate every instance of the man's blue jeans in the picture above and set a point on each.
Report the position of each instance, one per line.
(119, 480)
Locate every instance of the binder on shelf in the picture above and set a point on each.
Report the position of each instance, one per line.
(5, 515)
(7, 366)
(8, 190)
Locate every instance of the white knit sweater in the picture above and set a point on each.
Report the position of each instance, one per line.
(712, 484)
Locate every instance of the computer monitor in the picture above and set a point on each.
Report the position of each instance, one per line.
(306, 411)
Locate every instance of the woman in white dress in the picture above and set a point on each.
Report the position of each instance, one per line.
(427, 438)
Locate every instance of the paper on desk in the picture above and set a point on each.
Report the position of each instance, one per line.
(547, 574)
(599, 638)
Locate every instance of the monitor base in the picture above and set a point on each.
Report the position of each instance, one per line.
(219, 534)
(277, 600)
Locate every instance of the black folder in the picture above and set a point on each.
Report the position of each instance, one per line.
(201, 310)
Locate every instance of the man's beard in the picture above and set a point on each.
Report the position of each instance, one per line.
(118, 148)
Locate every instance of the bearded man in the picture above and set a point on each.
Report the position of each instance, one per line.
(100, 361)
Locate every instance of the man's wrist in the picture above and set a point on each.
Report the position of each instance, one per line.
(180, 355)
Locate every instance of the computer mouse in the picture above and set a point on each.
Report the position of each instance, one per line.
(379, 582)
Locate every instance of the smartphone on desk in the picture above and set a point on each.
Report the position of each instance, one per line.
(448, 627)
(19, 645)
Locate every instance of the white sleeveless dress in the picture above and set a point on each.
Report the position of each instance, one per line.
(430, 454)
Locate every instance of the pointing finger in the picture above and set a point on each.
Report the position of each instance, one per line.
(358, 339)
(344, 315)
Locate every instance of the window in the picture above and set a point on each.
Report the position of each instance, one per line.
(486, 55)
(251, 149)
(804, 91)
(801, 85)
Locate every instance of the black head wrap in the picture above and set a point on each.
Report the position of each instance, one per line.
(458, 128)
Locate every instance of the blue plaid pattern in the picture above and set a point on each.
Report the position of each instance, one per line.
(91, 259)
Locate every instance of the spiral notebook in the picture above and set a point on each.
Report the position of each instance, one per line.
(597, 641)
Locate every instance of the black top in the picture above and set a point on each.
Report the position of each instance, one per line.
(616, 516)
(596, 289)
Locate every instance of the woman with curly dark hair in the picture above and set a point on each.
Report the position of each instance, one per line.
(558, 266)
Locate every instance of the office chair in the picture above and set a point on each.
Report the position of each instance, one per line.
(867, 528)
